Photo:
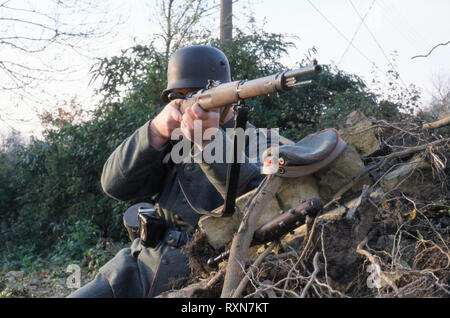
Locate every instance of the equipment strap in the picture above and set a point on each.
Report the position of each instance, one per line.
(234, 167)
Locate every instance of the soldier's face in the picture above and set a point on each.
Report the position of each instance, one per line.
(184, 91)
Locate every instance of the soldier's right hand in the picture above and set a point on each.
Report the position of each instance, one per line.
(162, 126)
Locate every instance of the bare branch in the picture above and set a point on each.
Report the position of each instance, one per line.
(242, 240)
(35, 39)
(258, 261)
(437, 124)
(313, 275)
(431, 50)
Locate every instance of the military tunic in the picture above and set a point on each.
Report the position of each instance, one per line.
(135, 170)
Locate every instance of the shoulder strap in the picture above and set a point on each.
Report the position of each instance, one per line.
(234, 167)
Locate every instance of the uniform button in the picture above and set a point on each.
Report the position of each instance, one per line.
(183, 200)
(190, 167)
(165, 261)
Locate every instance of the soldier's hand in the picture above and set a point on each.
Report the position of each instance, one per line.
(162, 126)
(196, 121)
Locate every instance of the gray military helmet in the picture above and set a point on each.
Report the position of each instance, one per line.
(193, 66)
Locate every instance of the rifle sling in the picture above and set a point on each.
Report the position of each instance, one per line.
(234, 167)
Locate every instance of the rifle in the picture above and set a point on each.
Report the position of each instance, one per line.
(284, 223)
(222, 94)
(218, 94)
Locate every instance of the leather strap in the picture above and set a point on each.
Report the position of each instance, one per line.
(224, 114)
(234, 167)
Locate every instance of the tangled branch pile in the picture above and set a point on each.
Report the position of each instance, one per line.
(389, 240)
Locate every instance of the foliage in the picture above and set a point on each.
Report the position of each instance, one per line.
(139, 73)
(58, 196)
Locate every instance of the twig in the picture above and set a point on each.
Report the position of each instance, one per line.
(355, 180)
(442, 287)
(399, 183)
(380, 164)
(272, 287)
(190, 290)
(404, 153)
(305, 249)
(313, 275)
(361, 198)
(238, 292)
(398, 128)
(372, 259)
(431, 50)
(364, 130)
(333, 291)
(214, 279)
(242, 239)
(324, 258)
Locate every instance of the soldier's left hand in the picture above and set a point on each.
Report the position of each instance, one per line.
(199, 125)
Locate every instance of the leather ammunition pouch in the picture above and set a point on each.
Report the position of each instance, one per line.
(144, 222)
(130, 219)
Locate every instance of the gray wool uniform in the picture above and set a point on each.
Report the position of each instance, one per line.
(135, 170)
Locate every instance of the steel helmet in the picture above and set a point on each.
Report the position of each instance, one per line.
(193, 66)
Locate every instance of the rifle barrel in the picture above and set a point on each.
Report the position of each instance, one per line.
(303, 72)
(231, 92)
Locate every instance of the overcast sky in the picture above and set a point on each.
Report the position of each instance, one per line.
(409, 27)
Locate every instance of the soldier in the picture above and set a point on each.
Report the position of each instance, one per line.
(135, 170)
